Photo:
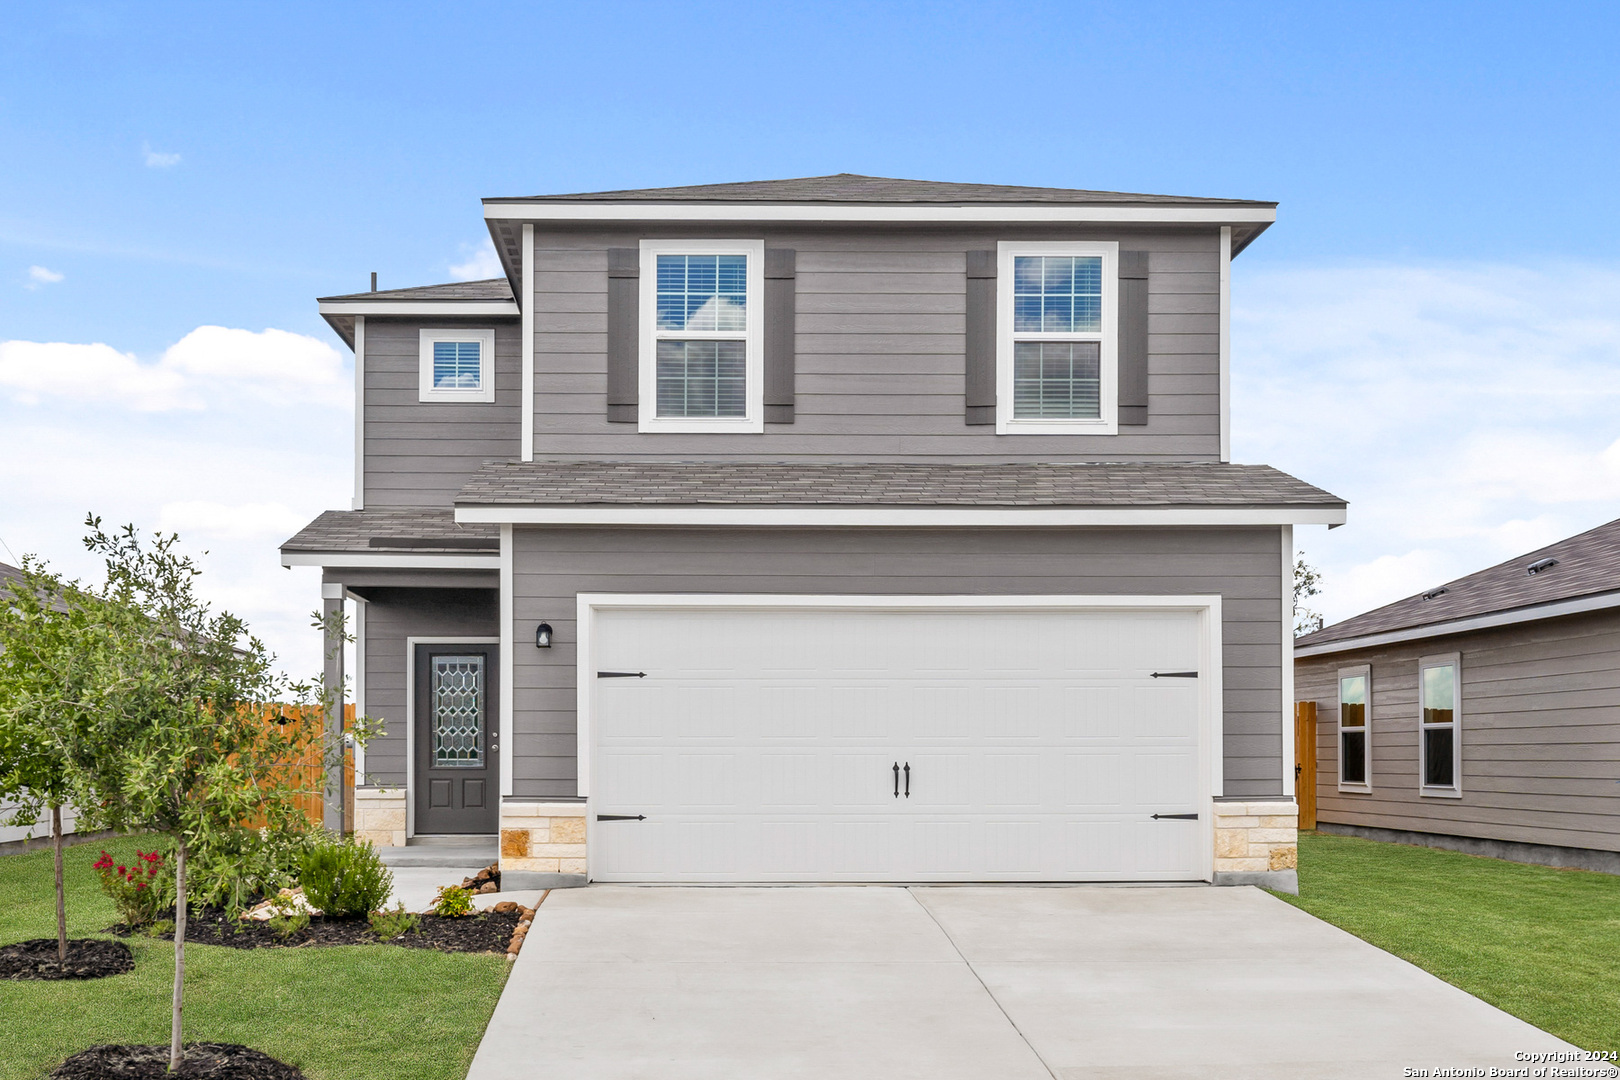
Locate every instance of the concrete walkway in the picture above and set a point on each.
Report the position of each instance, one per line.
(1013, 983)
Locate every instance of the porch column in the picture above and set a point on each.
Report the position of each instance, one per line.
(332, 681)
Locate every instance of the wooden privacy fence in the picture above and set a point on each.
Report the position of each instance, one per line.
(1305, 762)
(305, 769)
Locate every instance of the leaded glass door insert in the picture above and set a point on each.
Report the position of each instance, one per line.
(457, 752)
(458, 712)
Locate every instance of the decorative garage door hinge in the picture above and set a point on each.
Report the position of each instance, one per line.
(621, 674)
(621, 817)
(1175, 817)
(1174, 675)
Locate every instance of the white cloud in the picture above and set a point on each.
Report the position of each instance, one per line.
(212, 365)
(39, 275)
(481, 263)
(1469, 413)
(245, 521)
(157, 160)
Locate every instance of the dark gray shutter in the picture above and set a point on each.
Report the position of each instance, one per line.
(623, 335)
(981, 337)
(781, 311)
(1133, 338)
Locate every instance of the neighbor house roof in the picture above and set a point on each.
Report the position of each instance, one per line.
(1584, 574)
(895, 484)
(854, 188)
(392, 530)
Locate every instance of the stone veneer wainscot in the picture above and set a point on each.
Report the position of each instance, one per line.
(379, 816)
(542, 837)
(1257, 843)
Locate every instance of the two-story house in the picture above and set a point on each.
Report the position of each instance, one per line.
(833, 529)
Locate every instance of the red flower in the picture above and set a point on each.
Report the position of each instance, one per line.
(121, 870)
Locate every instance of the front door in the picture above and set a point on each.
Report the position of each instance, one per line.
(457, 748)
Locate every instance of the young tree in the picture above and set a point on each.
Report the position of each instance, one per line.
(183, 747)
(52, 672)
(1307, 583)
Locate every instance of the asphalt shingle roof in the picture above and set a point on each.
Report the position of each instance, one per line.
(743, 483)
(490, 289)
(854, 188)
(412, 530)
(1588, 563)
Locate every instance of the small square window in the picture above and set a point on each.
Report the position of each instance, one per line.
(457, 365)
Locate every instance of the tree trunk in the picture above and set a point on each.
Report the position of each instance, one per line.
(179, 952)
(61, 898)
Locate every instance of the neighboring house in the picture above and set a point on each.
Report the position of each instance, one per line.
(1482, 715)
(15, 836)
(835, 529)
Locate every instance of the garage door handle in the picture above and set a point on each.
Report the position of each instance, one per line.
(621, 817)
(1174, 675)
(897, 779)
(1175, 817)
(908, 779)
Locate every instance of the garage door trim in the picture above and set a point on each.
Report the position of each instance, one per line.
(1206, 607)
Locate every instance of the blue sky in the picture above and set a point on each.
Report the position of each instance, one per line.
(1431, 329)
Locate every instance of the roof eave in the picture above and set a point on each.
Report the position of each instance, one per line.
(1485, 620)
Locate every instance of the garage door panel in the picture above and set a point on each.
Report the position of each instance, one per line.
(761, 745)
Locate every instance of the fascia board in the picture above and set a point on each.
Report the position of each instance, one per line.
(626, 211)
(419, 307)
(896, 516)
(1599, 602)
(365, 560)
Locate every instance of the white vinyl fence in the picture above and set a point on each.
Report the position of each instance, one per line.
(40, 829)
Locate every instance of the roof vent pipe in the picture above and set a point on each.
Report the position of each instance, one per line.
(1432, 593)
(1539, 565)
(374, 281)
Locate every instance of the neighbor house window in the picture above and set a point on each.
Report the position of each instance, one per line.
(701, 363)
(457, 365)
(1056, 348)
(1355, 729)
(1440, 726)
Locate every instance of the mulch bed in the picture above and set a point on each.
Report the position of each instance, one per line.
(203, 1061)
(485, 933)
(87, 958)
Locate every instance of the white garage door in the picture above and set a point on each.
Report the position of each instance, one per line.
(895, 745)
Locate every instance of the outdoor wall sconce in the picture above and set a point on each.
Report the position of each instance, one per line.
(542, 636)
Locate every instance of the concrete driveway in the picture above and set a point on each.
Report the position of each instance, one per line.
(970, 982)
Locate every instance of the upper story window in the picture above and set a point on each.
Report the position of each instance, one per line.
(701, 357)
(1057, 347)
(1439, 726)
(457, 365)
(1355, 729)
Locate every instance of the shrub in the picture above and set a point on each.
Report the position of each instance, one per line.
(388, 925)
(284, 924)
(453, 902)
(141, 892)
(237, 869)
(344, 877)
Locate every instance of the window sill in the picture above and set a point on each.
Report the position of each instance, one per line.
(1355, 789)
(744, 426)
(1439, 793)
(460, 397)
(1056, 427)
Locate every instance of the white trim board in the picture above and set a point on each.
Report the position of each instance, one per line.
(419, 307)
(410, 716)
(359, 500)
(506, 641)
(877, 516)
(1599, 602)
(388, 561)
(1208, 607)
(1225, 342)
(526, 282)
(655, 211)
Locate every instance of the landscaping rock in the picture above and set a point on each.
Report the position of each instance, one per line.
(203, 1061)
(487, 880)
(504, 907)
(88, 958)
(287, 902)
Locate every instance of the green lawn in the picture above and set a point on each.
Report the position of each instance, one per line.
(347, 1012)
(1540, 943)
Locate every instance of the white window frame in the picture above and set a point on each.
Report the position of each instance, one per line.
(1107, 422)
(1365, 671)
(485, 393)
(753, 418)
(1454, 662)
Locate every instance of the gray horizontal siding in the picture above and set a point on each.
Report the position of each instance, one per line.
(880, 349)
(552, 566)
(418, 453)
(392, 616)
(1540, 735)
